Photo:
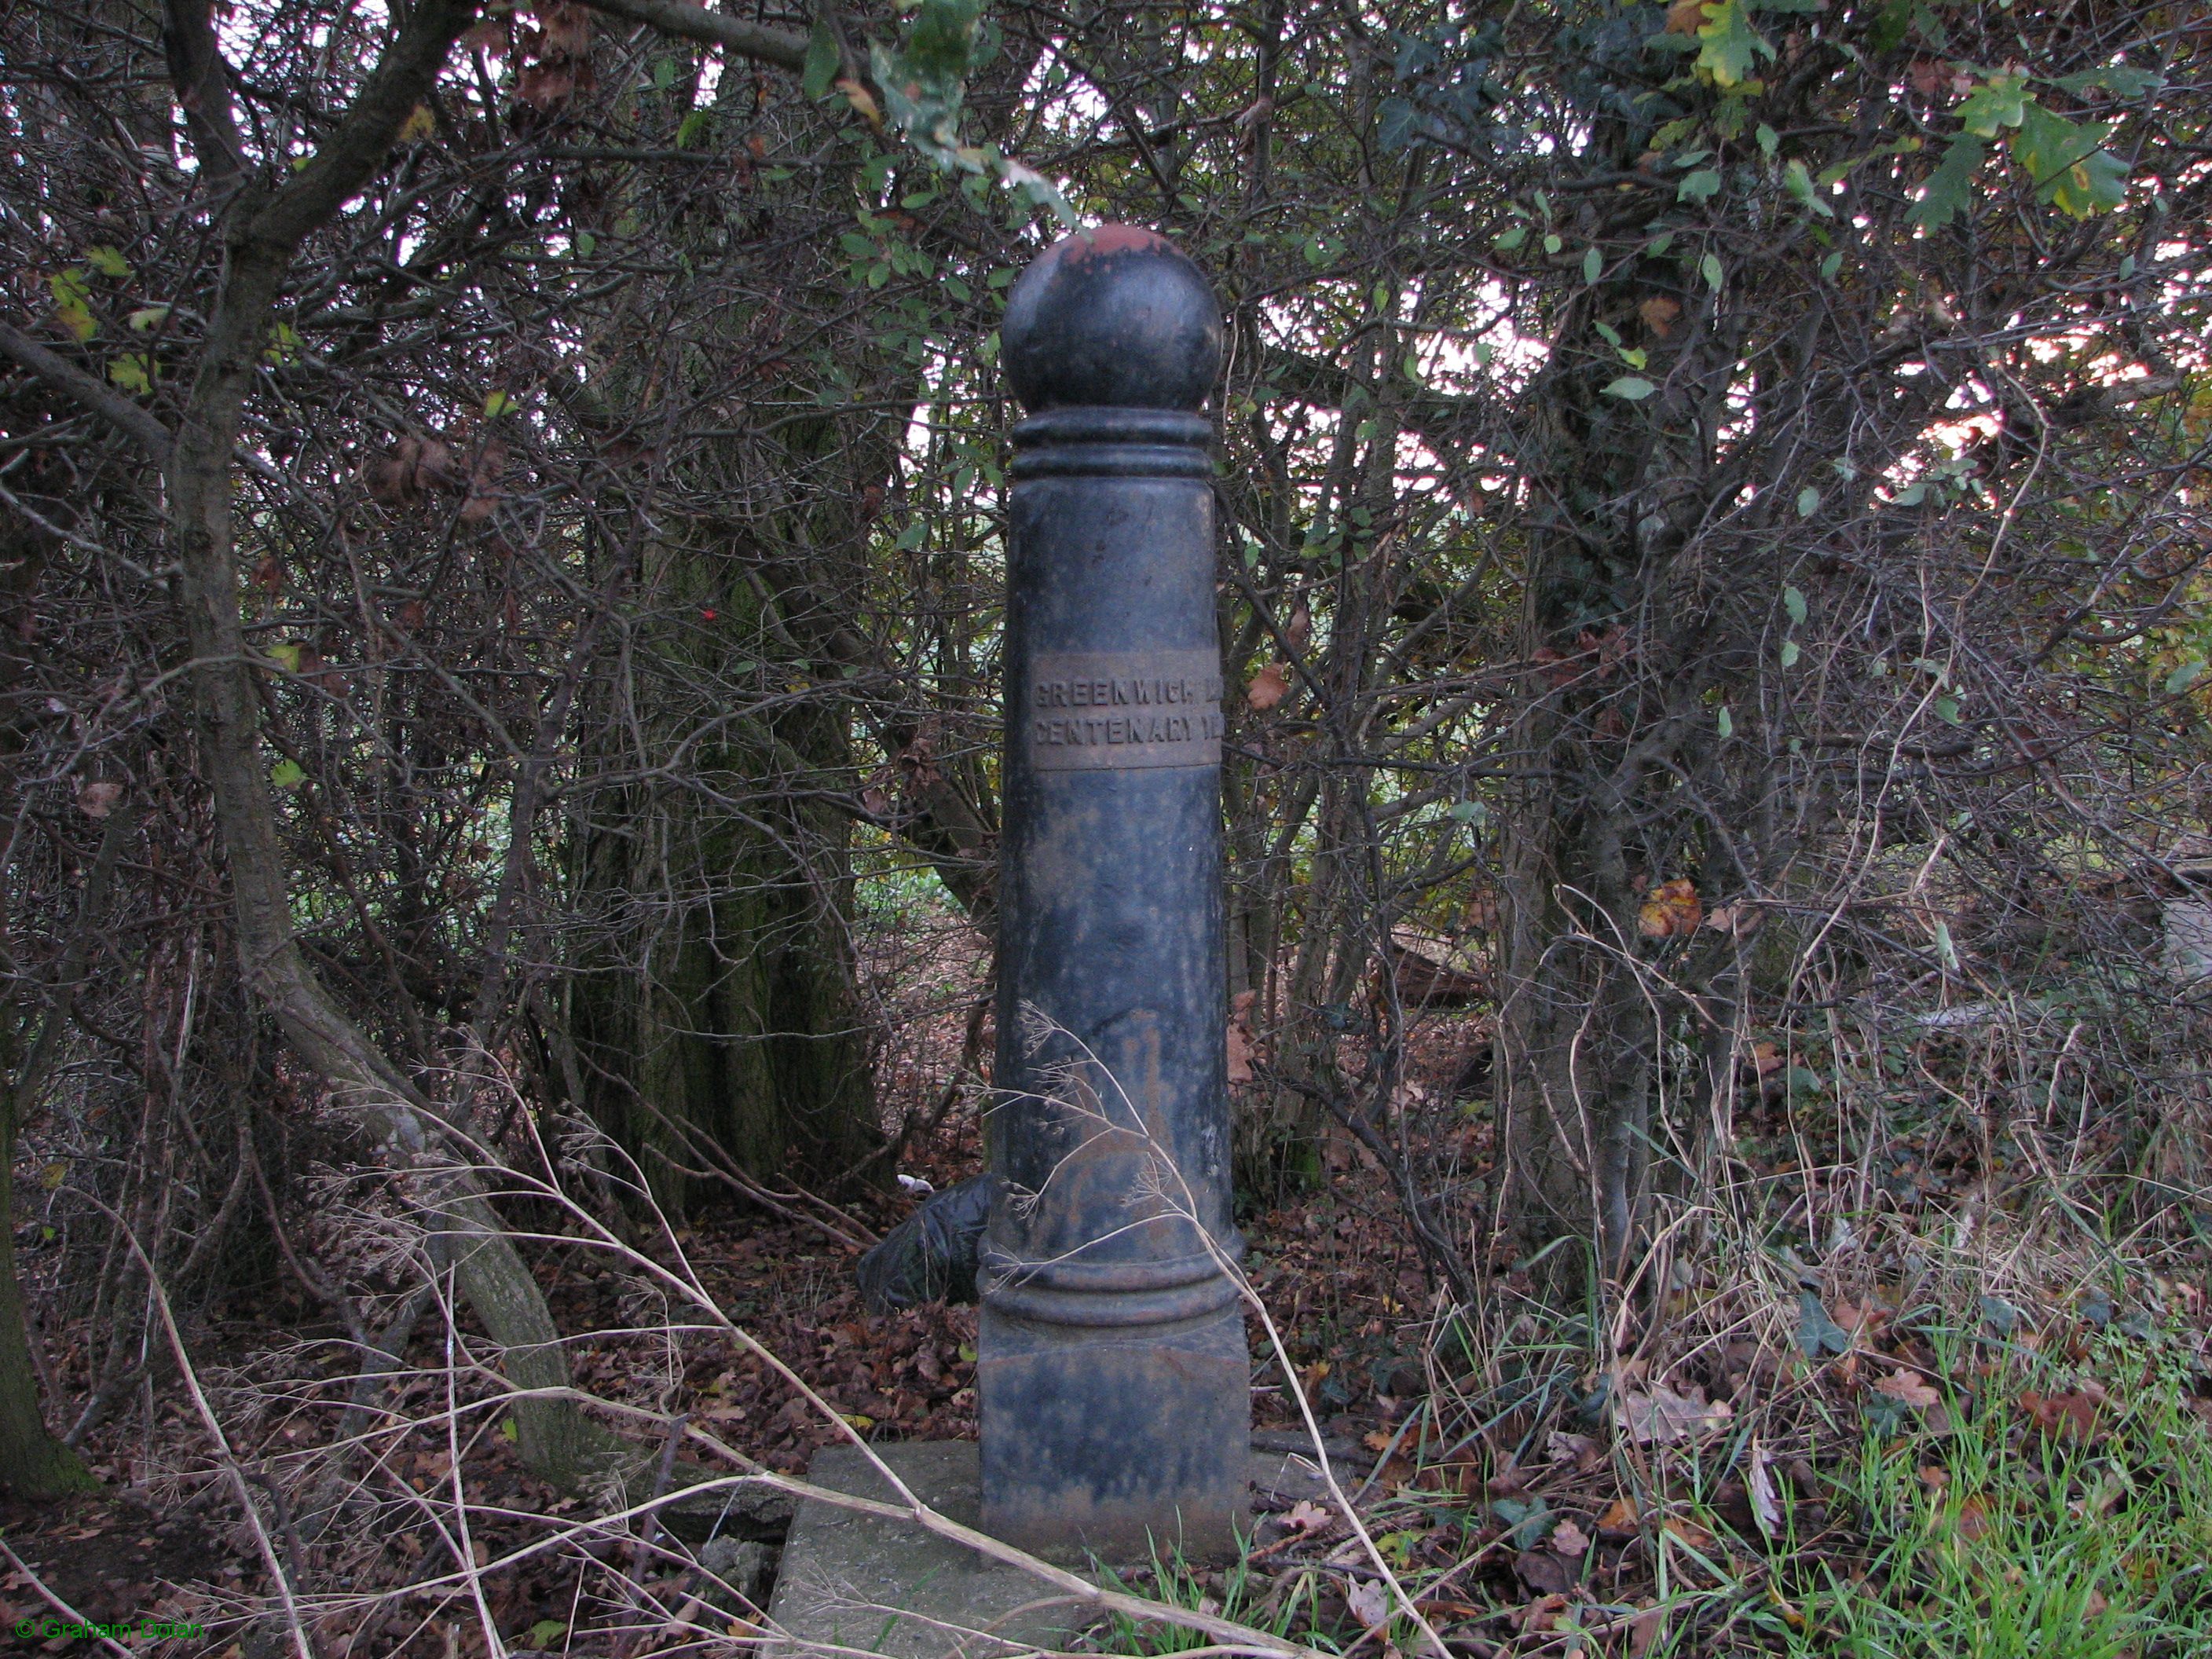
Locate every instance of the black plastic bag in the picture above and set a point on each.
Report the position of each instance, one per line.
(931, 1254)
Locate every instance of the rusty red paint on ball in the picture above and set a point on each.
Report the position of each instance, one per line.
(1082, 244)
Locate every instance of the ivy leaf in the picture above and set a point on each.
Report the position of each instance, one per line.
(2070, 168)
(1631, 388)
(288, 774)
(1818, 1334)
(1950, 187)
(1732, 47)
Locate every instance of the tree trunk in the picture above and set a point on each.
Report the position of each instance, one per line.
(715, 1010)
(33, 1463)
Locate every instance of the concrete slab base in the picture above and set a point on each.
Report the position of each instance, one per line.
(858, 1583)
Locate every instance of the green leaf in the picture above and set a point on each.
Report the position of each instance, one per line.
(2000, 101)
(497, 405)
(1711, 266)
(1554, 243)
(1799, 183)
(1950, 187)
(508, 1432)
(546, 1631)
(1634, 357)
(693, 128)
(821, 67)
(288, 774)
(1831, 265)
(1947, 952)
(1817, 1333)
(286, 657)
(133, 371)
(1808, 501)
(585, 244)
(1506, 240)
(1946, 709)
(2122, 80)
(1593, 264)
(1725, 722)
(71, 295)
(1470, 812)
(1530, 1519)
(146, 317)
(2071, 168)
(1793, 600)
(1699, 187)
(1770, 142)
(1732, 46)
(1631, 388)
(2184, 677)
(108, 262)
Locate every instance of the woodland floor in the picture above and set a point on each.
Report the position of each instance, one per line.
(1798, 1455)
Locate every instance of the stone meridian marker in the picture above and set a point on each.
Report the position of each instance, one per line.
(1115, 1389)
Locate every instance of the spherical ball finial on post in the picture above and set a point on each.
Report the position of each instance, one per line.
(1114, 316)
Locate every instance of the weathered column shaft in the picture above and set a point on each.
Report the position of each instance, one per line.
(1114, 1376)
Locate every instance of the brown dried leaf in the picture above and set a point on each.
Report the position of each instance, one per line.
(97, 800)
(1569, 1540)
(1685, 17)
(1269, 687)
(1662, 1417)
(1367, 1601)
(1909, 1389)
(1672, 910)
(863, 101)
(1620, 1521)
(566, 29)
(1974, 1519)
(2064, 1416)
(1659, 313)
(1543, 1572)
(1765, 1502)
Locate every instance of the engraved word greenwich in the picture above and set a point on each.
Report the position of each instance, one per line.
(1163, 709)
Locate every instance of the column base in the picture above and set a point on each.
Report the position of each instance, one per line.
(1116, 1441)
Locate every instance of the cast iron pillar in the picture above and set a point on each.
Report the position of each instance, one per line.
(1115, 1389)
